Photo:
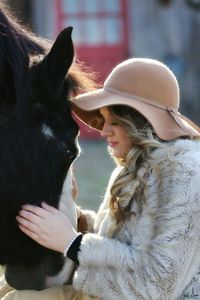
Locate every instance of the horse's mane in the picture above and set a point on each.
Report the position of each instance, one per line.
(19, 48)
(17, 44)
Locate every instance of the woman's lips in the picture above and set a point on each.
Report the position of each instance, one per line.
(112, 144)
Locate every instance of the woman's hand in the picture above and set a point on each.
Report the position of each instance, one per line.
(47, 226)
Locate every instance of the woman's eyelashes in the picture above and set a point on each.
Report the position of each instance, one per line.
(114, 123)
(111, 121)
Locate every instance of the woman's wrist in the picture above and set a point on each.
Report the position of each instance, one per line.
(70, 243)
(74, 249)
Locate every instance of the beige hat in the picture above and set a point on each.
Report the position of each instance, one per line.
(146, 85)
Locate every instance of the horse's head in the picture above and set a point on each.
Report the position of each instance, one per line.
(38, 145)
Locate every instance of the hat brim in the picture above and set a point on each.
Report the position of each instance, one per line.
(168, 125)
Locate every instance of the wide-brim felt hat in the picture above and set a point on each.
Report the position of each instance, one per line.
(146, 85)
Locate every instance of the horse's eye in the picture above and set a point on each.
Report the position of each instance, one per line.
(68, 151)
(71, 154)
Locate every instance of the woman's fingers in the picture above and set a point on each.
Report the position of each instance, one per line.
(37, 231)
(26, 223)
(36, 210)
(29, 216)
(46, 225)
(33, 209)
(40, 211)
(49, 208)
(28, 232)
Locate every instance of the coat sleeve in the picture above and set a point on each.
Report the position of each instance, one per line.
(161, 252)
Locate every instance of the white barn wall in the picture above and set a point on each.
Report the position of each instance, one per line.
(161, 32)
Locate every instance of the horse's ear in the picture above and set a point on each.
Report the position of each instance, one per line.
(59, 59)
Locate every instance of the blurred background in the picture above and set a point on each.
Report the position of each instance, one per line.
(109, 31)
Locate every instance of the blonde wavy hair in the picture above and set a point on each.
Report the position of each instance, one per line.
(129, 186)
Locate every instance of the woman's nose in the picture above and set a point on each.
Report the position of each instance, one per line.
(106, 130)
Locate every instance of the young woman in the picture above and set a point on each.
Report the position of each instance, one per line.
(146, 239)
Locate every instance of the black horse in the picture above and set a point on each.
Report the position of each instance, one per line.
(38, 143)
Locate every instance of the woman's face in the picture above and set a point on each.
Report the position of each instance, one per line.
(115, 135)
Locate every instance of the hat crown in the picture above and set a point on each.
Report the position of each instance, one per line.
(145, 78)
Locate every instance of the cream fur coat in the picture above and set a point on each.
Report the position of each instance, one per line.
(156, 253)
